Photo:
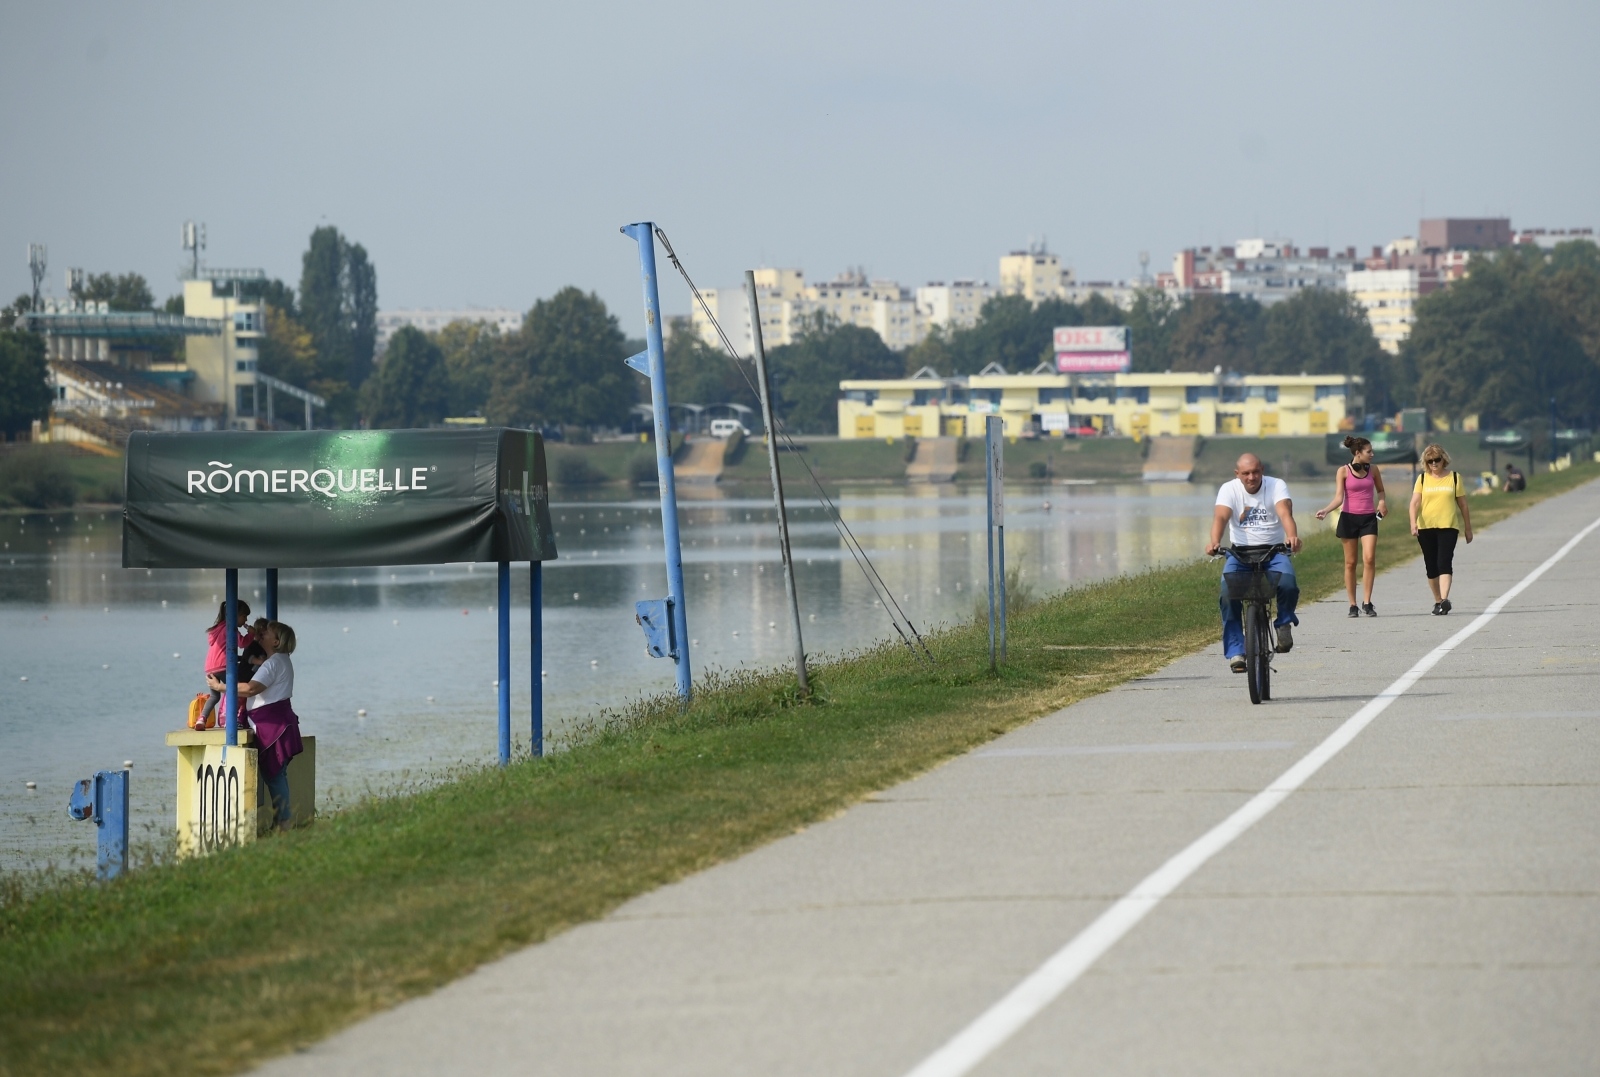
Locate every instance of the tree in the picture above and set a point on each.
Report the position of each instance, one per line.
(1151, 320)
(1322, 331)
(19, 306)
(339, 305)
(564, 367)
(287, 351)
(471, 350)
(698, 373)
(806, 374)
(124, 292)
(1507, 341)
(24, 393)
(1216, 331)
(411, 387)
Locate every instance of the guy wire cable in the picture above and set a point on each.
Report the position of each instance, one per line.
(880, 588)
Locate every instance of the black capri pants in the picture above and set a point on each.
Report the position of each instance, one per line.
(1438, 550)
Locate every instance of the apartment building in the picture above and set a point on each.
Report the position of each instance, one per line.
(1035, 274)
(1266, 270)
(222, 368)
(431, 320)
(955, 305)
(1138, 405)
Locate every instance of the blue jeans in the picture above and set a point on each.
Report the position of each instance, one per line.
(278, 795)
(1233, 612)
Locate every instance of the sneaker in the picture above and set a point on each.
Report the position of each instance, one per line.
(1285, 639)
(1366, 608)
(1355, 611)
(1438, 608)
(1236, 663)
(1445, 607)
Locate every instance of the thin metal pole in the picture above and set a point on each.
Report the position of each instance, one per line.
(777, 479)
(230, 650)
(308, 415)
(536, 652)
(988, 528)
(1000, 521)
(643, 233)
(272, 594)
(505, 662)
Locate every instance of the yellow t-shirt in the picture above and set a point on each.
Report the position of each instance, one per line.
(1439, 508)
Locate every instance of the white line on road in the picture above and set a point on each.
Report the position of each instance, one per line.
(1001, 1021)
(1140, 749)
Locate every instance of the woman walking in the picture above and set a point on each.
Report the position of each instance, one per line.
(276, 725)
(1359, 497)
(1438, 514)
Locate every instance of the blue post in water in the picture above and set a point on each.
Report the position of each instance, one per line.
(104, 798)
(272, 594)
(643, 233)
(505, 662)
(230, 698)
(988, 524)
(536, 651)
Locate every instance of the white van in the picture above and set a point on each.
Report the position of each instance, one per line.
(726, 428)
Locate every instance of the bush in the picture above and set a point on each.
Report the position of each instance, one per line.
(1038, 469)
(642, 469)
(571, 469)
(36, 478)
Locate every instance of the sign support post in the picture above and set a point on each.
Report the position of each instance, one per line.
(536, 652)
(652, 363)
(272, 594)
(995, 532)
(504, 617)
(230, 635)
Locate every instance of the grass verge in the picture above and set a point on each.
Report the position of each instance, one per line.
(207, 966)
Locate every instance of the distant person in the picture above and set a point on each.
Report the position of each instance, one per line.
(1257, 512)
(1359, 497)
(1515, 479)
(1439, 514)
(276, 725)
(217, 655)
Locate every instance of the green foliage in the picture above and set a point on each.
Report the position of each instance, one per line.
(36, 478)
(411, 387)
(339, 306)
(273, 292)
(1522, 328)
(642, 468)
(564, 367)
(698, 373)
(287, 351)
(1214, 331)
(124, 292)
(1151, 321)
(24, 394)
(569, 467)
(471, 350)
(806, 374)
(1323, 331)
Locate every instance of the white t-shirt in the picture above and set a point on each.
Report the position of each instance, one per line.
(276, 675)
(1255, 516)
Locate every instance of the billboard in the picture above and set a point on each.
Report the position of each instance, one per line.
(1092, 349)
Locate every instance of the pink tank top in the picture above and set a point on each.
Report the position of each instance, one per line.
(1360, 495)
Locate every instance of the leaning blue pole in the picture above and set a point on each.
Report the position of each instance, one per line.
(643, 233)
(230, 649)
(536, 652)
(505, 662)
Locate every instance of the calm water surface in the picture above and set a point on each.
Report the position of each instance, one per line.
(98, 662)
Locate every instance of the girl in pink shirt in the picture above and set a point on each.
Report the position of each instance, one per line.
(217, 654)
(1359, 495)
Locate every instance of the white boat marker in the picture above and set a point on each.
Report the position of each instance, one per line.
(1045, 984)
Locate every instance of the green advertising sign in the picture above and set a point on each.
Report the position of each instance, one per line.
(1388, 447)
(328, 499)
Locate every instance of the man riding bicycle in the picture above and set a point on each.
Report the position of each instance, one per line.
(1257, 511)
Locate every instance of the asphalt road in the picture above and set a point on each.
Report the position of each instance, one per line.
(1428, 901)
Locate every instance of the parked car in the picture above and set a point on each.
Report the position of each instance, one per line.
(726, 428)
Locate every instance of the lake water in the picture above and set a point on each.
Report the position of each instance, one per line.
(98, 662)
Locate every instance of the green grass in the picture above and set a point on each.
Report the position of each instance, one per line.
(210, 965)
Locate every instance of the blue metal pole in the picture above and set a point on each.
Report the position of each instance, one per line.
(230, 698)
(505, 662)
(536, 651)
(643, 233)
(272, 594)
(111, 858)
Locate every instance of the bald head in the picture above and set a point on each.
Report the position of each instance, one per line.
(1248, 471)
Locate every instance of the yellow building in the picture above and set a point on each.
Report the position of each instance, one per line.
(224, 366)
(1034, 274)
(1139, 405)
(1390, 297)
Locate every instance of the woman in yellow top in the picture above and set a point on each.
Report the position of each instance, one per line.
(1438, 514)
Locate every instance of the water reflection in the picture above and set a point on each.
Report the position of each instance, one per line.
(111, 656)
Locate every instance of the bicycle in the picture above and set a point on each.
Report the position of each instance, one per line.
(1254, 590)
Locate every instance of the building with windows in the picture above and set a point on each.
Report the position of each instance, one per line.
(390, 322)
(955, 305)
(1268, 271)
(1035, 274)
(221, 369)
(1390, 297)
(1046, 403)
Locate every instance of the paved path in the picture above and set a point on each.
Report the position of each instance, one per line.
(1428, 901)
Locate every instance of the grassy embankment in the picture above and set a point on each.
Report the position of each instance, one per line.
(209, 965)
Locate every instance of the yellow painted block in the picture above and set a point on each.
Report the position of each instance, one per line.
(1319, 422)
(1189, 423)
(912, 425)
(1269, 422)
(954, 426)
(222, 802)
(866, 426)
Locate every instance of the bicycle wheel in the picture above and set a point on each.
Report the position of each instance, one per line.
(1264, 647)
(1254, 659)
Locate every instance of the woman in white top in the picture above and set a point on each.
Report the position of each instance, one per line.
(272, 717)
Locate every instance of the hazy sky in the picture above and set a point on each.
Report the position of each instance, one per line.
(486, 153)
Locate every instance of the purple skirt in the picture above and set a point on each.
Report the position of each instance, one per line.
(278, 730)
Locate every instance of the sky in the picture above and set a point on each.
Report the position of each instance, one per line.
(486, 153)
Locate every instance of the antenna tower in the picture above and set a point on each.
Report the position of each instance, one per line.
(38, 259)
(194, 241)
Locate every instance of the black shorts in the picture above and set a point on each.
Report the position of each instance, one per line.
(1356, 524)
